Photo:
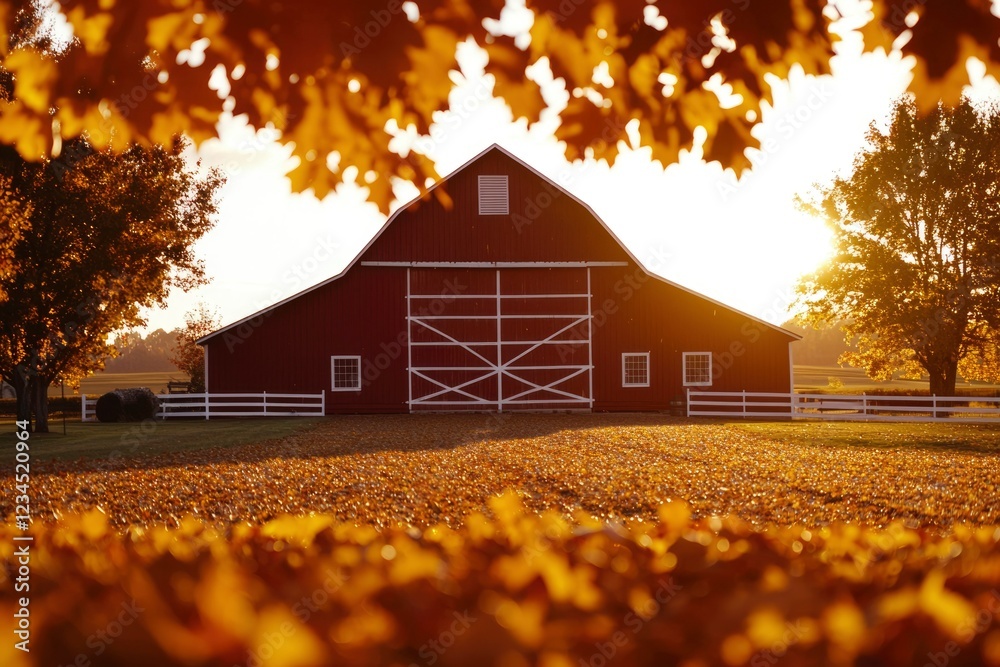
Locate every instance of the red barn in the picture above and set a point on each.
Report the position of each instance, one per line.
(517, 296)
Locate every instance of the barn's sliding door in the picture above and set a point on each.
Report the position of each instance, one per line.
(499, 339)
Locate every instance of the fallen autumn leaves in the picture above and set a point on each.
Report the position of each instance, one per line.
(509, 584)
(425, 469)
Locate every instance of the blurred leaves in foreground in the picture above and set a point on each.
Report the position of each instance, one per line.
(510, 587)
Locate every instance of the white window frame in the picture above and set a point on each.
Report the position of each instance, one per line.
(641, 355)
(333, 372)
(684, 367)
(494, 181)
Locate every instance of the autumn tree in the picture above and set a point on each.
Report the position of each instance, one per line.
(915, 274)
(186, 354)
(110, 234)
(14, 223)
(348, 76)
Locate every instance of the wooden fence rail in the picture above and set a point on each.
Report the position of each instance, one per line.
(207, 406)
(856, 407)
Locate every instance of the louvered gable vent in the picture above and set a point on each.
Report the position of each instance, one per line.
(493, 199)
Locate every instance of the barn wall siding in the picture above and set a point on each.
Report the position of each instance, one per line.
(364, 311)
(634, 312)
(289, 350)
(543, 225)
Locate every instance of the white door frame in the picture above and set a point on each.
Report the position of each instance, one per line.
(501, 367)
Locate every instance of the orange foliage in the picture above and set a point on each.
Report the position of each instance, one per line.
(331, 76)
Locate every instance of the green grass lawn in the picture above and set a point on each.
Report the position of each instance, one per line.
(982, 438)
(93, 440)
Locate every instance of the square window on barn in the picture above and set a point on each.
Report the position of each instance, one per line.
(697, 369)
(493, 199)
(346, 373)
(635, 369)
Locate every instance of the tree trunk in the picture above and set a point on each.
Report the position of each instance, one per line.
(943, 378)
(950, 377)
(41, 405)
(23, 384)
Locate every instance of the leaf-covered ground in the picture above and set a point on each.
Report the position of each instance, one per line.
(422, 470)
(856, 546)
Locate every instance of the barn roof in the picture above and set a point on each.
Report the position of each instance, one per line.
(549, 184)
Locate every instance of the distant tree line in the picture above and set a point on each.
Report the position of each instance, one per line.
(149, 354)
(818, 347)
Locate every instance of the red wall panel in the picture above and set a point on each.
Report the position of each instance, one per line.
(289, 350)
(543, 225)
(634, 312)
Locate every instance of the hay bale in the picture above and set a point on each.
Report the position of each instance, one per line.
(123, 405)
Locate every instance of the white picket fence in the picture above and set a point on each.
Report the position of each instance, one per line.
(972, 409)
(207, 406)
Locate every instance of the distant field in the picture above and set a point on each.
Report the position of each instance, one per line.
(817, 378)
(105, 382)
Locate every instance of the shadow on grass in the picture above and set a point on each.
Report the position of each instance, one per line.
(156, 444)
(95, 446)
(940, 437)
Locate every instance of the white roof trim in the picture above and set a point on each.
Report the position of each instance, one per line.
(426, 192)
(493, 265)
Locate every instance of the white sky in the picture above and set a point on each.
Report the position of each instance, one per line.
(742, 243)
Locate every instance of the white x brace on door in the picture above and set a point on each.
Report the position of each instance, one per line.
(499, 339)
